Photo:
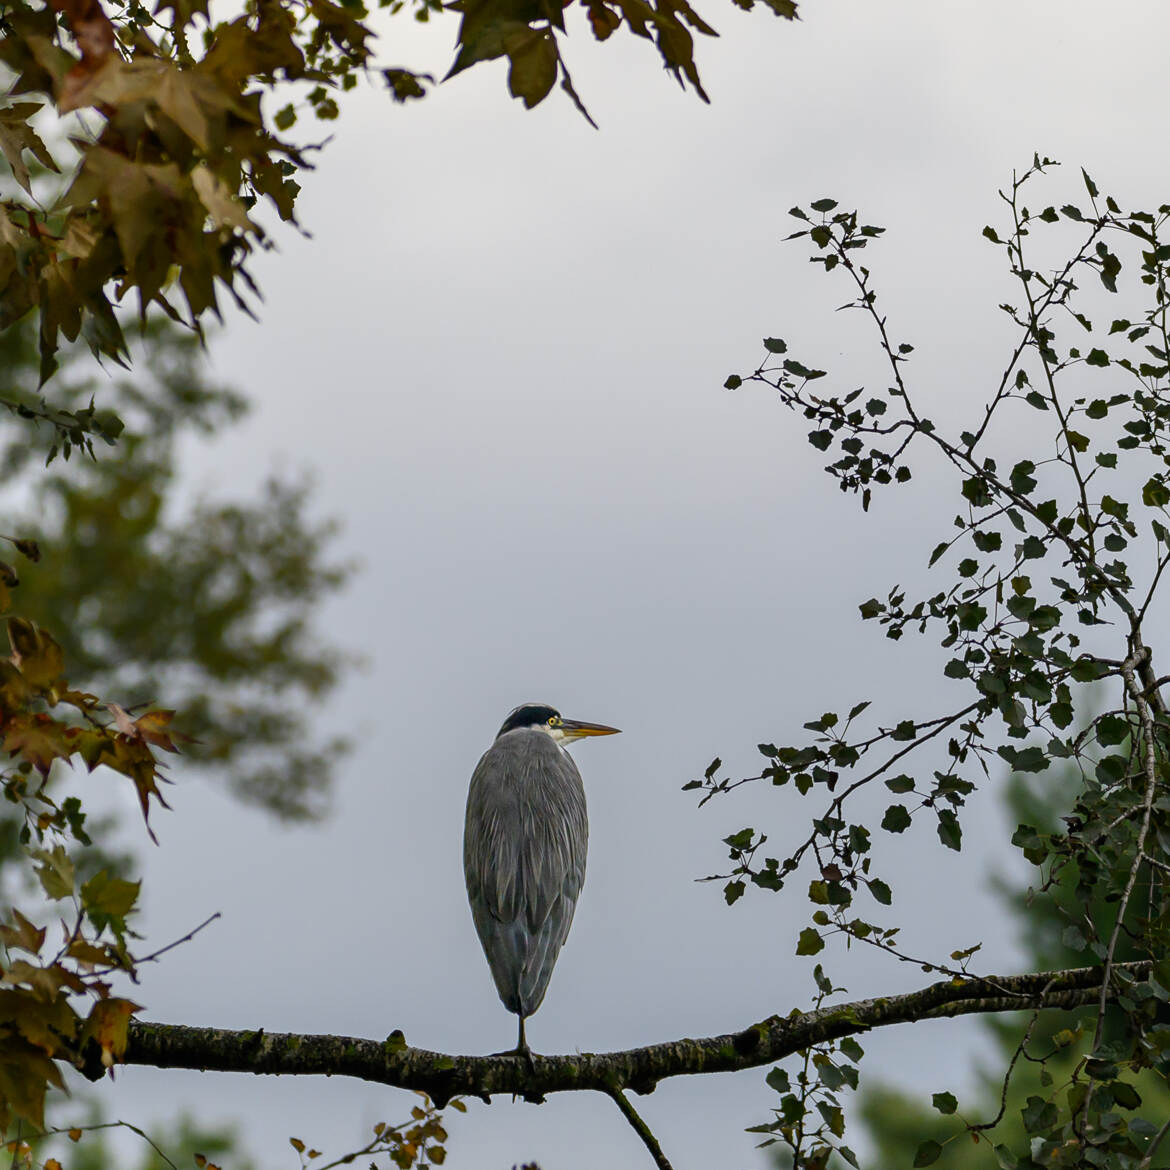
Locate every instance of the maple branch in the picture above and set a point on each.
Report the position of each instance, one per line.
(443, 1076)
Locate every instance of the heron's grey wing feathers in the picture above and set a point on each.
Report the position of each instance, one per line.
(524, 859)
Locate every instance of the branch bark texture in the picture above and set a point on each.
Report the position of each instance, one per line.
(441, 1076)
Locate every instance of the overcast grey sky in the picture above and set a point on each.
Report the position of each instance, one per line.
(502, 353)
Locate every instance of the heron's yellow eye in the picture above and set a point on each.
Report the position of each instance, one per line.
(553, 720)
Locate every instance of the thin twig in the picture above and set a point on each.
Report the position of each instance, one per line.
(838, 801)
(928, 965)
(1082, 553)
(1007, 1077)
(1034, 327)
(179, 941)
(1151, 773)
(862, 747)
(1162, 562)
(71, 937)
(1148, 1160)
(640, 1128)
(117, 1125)
(350, 1158)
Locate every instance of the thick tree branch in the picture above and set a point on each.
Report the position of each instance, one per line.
(443, 1076)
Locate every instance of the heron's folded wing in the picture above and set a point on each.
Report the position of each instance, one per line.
(524, 860)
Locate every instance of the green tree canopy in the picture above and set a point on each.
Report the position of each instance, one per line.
(210, 604)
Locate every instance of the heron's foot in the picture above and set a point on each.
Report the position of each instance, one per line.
(520, 1052)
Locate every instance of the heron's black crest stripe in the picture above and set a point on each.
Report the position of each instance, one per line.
(528, 715)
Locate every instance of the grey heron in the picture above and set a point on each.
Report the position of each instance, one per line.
(524, 843)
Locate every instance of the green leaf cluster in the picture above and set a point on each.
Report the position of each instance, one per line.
(1051, 573)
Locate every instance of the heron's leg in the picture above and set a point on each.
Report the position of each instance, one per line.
(522, 1048)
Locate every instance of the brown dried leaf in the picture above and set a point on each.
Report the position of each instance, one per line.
(38, 739)
(46, 1023)
(22, 637)
(153, 727)
(604, 21)
(23, 934)
(133, 758)
(108, 1025)
(223, 207)
(487, 24)
(14, 690)
(25, 1074)
(17, 136)
(240, 52)
(533, 71)
(90, 955)
(94, 746)
(40, 659)
(45, 982)
(95, 37)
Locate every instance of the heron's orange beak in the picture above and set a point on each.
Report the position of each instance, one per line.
(576, 729)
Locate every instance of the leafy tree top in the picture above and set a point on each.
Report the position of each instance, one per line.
(180, 146)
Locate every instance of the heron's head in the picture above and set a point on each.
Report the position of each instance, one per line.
(542, 717)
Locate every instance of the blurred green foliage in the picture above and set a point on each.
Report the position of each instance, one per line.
(896, 1122)
(101, 1145)
(209, 605)
(153, 593)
